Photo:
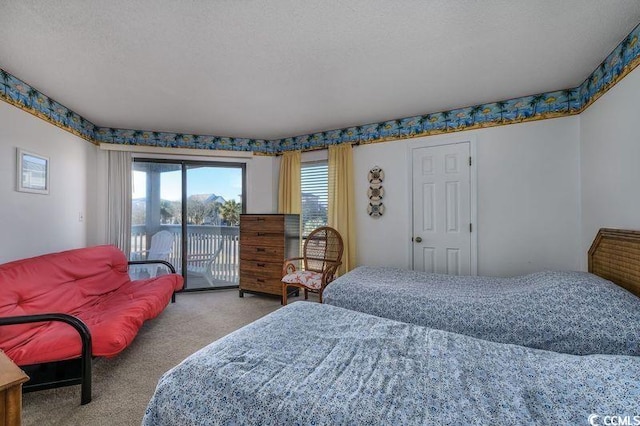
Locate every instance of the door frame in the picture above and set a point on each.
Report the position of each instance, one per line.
(432, 141)
(184, 163)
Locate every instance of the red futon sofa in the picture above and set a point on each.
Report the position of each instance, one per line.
(59, 310)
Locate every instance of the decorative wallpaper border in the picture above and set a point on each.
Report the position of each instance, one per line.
(179, 140)
(18, 93)
(621, 61)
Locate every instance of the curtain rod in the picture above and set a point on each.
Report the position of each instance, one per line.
(176, 151)
(319, 148)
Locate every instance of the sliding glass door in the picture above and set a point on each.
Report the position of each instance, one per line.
(213, 205)
(187, 213)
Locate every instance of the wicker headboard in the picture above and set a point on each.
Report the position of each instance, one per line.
(615, 256)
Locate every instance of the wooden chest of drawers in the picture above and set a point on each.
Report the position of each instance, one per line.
(265, 241)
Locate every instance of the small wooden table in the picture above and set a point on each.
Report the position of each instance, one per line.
(11, 380)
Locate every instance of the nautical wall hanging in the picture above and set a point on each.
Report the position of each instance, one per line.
(375, 192)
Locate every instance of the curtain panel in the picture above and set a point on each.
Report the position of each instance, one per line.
(342, 201)
(119, 200)
(289, 196)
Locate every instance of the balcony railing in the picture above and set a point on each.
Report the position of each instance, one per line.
(212, 252)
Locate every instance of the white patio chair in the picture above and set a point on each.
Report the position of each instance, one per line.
(204, 265)
(160, 249)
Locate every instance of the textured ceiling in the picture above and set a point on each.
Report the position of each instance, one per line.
(277, 68)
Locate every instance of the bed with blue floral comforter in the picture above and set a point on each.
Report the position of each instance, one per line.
(309, 363)
(568, 312)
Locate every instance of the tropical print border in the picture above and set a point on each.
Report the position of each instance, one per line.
(179, 140)
(17, 92)
(622, 60)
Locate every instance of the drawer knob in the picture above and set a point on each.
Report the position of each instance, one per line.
(259, 280)
(260, 249)
(261, 265)
(261, 234)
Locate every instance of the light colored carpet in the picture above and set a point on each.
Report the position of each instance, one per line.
(122, 386)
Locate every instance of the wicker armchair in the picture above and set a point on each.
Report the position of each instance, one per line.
(322, 255)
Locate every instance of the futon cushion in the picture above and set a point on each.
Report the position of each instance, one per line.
(92, 284)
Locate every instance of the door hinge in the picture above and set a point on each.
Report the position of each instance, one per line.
(470, 227)
(469, 160)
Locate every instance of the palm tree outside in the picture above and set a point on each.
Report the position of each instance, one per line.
(230, 212)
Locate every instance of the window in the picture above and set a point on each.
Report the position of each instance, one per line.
(315, 195)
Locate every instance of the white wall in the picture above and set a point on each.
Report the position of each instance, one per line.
(34, 224)
(262, 185)
(383, 240)
(610, 145)
(528, 199)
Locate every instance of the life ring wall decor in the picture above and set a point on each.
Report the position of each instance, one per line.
(376, 175)
(375, 192)
(375, 209)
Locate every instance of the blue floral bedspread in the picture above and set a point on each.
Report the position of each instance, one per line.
(569, 312)
(309, 363)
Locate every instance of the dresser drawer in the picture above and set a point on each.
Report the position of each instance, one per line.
(261, 269)
(273, 224)
(261, 238)
(262, 285)
(262, 253)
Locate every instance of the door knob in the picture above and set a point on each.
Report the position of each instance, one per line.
(418, 239)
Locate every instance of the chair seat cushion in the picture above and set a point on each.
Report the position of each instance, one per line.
(308, 279)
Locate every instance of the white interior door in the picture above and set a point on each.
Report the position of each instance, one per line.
(442, 209)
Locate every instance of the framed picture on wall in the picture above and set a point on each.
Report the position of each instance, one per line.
(32, 172)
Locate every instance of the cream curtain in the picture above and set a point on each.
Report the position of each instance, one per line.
(289, 196)
(341, 201)
(119, 200)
